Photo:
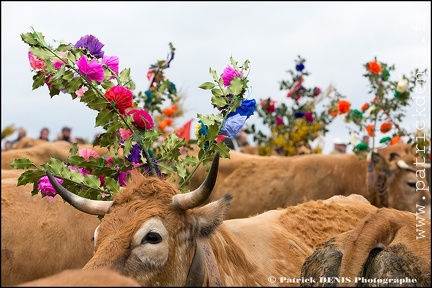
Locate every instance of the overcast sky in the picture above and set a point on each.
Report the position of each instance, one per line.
(335, 38)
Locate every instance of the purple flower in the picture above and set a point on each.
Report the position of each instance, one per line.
(92, 70)
(300, 67)
(228, 75)
(45, 186)
(135, 154)
(112, 62)
(92, 44)
(237, 119)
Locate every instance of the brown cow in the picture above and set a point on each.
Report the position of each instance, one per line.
(388, 248)
(40, 238)
(260, 183)
(84, 278)
(42, 153)
(161, 237)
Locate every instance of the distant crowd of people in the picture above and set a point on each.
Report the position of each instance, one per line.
(64, 135)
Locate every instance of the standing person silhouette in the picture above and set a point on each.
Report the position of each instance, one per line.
(65, 135)
(44, 133)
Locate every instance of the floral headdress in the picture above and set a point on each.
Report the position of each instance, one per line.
(386, 111)
(296, 124)
(86, 72)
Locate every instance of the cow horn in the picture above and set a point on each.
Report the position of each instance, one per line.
(85, 205)
(403, 165)
(199, 196)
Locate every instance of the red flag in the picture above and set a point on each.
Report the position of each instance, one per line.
(184, 131)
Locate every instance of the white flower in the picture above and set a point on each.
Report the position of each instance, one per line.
(353, 139)
(402, 86)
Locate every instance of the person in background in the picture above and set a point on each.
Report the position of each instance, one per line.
(339, 147)
(22, 132)
(365, 139)
(44, 133)
(65, 135)
(7, 146)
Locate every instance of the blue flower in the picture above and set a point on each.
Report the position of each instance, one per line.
(236, 120)
(172, 88)
(299, 114)
(300, 67)
(92, 44)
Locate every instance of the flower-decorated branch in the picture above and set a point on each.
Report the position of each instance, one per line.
(84, 71)
(295, 125)
(386, 111)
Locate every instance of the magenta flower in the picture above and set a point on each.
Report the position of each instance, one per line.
(122, 178)
(309, 116)
(142, 118)
(92, 44)
(86, 153)
(279, 120)
(112, 62)
(36, 63)
(92, 70)
(46, 188)
(228, 75)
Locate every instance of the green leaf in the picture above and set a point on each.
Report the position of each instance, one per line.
(30, 176)
(236, 86)
(74, 84)
(207, 85)
(103, 117)
(125, 75)
(38, 81)
(217, 92)
(29, 39)
(218, 101)
(22, 163)
(41, 53)
(92, 181)
(55, 166)
(112, 185)
(223, 149)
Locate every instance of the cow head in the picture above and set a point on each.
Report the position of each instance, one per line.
(150, 230)
(399, 183)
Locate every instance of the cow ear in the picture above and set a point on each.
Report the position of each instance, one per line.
(211, 215)
(377, 159)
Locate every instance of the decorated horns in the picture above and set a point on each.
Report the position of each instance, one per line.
(85, 205)
(199, 196)
(181, 201)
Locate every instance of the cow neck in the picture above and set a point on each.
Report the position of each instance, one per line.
(203, 262)
(377, 183)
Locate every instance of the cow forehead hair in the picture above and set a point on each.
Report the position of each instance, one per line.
(140, 187)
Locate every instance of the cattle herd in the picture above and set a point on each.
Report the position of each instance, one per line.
(250, 220)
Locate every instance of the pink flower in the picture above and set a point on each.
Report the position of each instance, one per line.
(36, 63)
(83, 171)
(59, 63)
(45, 186)
(228, 75)
(142, 118)
(309, 116)
(279, 120)
(93, 70)
(80, 92)
(86, 153)
(125, 133)
(112, 62)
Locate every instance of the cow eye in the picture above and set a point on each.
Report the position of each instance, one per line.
(152, 238)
